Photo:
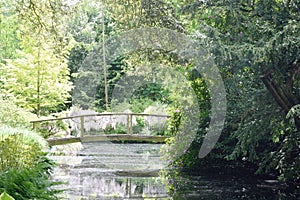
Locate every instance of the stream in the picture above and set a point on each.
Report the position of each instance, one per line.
(113, 171)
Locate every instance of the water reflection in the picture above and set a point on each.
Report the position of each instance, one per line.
(106, 171)
(130, 171)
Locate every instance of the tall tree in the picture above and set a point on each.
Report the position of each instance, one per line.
(38, 77)
(256, 46)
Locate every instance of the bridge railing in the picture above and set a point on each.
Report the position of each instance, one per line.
(129, 124)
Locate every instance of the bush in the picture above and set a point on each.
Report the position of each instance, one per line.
(26, 136)
(29, 183)
(16, 155)
(24, 168)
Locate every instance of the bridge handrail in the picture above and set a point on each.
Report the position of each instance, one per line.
(129, 119)
(100, 114)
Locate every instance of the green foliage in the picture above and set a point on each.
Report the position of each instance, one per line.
(39, 80)
(176, 154)
(37, 75)
(139, 105)
(57, 128)
(143, 13)
(85, 23)
(174, 121)
(19, 148)
(284, 156)
(153, 92)
(140, 121)
(27, 137)
(85, 26)
(13, 115)
(75, 59)
(42, 20)
(255, 45)
(89, 89)
(8, 35)
(30, 183)
(293, 114)
(14, 154)
(259, 62)
(24, 168)
(120, 129)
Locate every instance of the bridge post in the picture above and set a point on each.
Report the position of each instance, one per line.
(129, 124)
(35, 125)
(81, 126)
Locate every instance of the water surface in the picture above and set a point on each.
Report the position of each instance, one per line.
(111, 171)
(108, 171)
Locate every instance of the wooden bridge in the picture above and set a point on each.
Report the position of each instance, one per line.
(85, 137)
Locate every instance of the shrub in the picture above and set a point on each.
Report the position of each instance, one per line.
(19, 148)
(139, 105)
(24, 168)
(17, 155)
(26, 136)
(30, 183)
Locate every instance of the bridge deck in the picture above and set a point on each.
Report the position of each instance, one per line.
(112, 137)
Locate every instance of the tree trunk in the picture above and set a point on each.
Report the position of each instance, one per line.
(284, 98)
(38, 87)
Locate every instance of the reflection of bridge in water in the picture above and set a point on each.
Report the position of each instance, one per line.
(90, 125)
(106, 171)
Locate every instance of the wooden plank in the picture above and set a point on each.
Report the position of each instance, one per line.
(103, 138)
(62, 141)
(124, 138)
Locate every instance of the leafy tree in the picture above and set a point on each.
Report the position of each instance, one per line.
(38, 77)
(85, 26)
(43, 20)
(256, 46)
(143, 13)
(38, 80)
(8, 39)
